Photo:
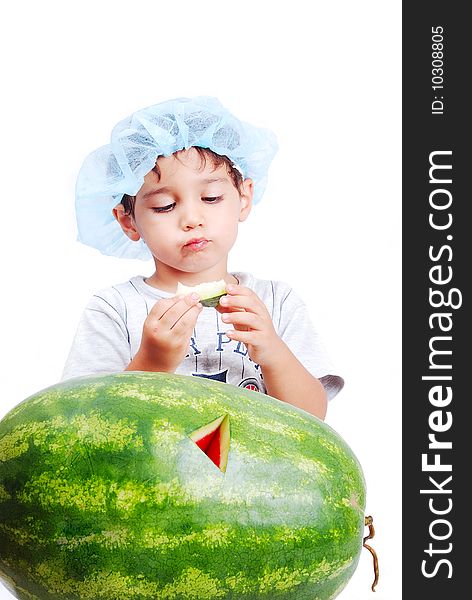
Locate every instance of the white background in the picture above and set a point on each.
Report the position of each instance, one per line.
(325, 76)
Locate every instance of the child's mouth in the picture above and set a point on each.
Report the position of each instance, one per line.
(197, 244)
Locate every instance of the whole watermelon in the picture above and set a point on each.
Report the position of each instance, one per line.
(107, 492)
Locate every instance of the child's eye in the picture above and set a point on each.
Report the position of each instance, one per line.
(161, 209)
(212, 199)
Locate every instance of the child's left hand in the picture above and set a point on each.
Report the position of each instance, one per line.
(252, 323)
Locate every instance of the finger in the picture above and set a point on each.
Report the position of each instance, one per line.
(243, 319)
(227, 309)
(238, 290)
(163, 305)
(242, 302)
(246, 337)
(186, 322)
(176, 310)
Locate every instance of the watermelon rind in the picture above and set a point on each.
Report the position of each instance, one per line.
(209, 292)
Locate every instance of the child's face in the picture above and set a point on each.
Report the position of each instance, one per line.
(189, 216)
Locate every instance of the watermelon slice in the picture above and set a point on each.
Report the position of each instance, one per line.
(210, 292)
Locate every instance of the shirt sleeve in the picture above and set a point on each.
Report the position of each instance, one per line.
(297, 331)
(101, 343)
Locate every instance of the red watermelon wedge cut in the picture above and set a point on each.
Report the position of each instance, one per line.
(213, 439)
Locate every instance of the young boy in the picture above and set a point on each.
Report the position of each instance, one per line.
(174, 183)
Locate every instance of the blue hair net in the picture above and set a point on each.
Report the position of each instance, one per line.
(136, 142)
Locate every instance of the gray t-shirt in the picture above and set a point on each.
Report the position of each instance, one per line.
(109, 335)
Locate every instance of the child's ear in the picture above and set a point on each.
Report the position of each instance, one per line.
(247, 191)
(126, 222)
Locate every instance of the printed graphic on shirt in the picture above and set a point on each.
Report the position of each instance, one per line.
(213, 355)
(216, 376)
(250, 384)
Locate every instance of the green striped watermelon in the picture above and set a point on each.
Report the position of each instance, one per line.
(139, 486)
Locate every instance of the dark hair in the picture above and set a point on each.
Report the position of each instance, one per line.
(205, 154)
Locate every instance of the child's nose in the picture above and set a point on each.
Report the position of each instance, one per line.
(192, 215)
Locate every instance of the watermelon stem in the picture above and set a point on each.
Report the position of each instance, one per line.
(368, 522)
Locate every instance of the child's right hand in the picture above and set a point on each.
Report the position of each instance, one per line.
(166, 334)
